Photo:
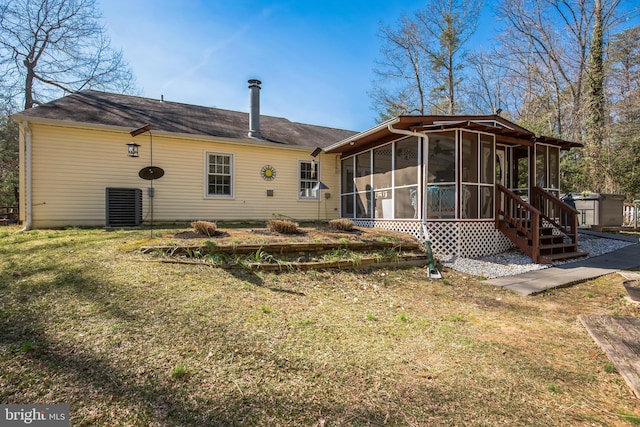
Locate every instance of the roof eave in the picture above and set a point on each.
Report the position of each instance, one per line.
(353, 138)
(126, 130)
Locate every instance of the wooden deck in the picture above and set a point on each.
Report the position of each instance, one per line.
(619, 337)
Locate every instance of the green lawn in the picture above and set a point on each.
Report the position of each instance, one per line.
(86, 320)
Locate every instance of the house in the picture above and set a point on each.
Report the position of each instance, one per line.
(75, 167)
(471, 185)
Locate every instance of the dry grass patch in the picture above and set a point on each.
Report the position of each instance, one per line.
(205, 228)
(341, 224)
(282, 226)
(131, 343)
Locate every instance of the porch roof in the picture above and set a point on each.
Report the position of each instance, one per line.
(505, 131)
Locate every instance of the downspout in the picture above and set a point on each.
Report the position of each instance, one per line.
(433, 271)
(27, 171)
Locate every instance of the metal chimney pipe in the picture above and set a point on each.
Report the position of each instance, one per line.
(254, 109)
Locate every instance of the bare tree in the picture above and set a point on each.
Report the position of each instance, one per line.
(449, 24)
(624, 77)
(423, 59)
(555, 36)
(52, 47)
(488, 90)
(624, 89)
(402, 73)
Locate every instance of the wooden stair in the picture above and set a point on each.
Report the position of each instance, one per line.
(547, 232)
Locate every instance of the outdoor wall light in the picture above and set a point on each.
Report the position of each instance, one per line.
(133, 149)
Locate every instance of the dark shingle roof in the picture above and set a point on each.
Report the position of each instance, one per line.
(101, 108)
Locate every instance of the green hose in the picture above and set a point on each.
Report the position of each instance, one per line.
(433, 271)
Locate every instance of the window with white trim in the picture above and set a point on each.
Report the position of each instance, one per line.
(219, 175)
(307, 178)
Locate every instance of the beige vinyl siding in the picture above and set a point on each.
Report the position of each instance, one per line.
(72, 167)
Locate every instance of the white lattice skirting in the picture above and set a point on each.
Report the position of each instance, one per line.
(466, 239)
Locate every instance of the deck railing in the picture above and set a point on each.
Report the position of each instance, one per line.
(559, 214)
(519, 215)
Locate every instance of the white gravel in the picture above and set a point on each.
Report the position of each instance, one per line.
(515, 262)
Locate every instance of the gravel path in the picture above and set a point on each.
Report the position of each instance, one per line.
(515, 262)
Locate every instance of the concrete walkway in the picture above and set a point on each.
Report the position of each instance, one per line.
(534, 282)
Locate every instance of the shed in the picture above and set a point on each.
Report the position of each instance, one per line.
(599, 209)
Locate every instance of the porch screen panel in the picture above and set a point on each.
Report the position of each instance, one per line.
(469, 201)
(406, 202)
(347, 204)
(554, 170)
(441, 201)
(347, 176)
(364, 204)
(347, 197)
(541, 166)
(364, 201)
(486, 202)
(520, 174)
(470, 158)
(442, 157)
(547, 174)
(383, 204)
(487, 175)
(406, 157)
(487, 168)
(441, 175)
(382, 167)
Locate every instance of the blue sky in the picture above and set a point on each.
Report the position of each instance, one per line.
(315, 58)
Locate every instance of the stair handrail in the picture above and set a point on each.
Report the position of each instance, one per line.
(568, 214)
(522, 216)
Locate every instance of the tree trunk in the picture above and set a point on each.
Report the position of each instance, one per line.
(595, 124)
(28, 85)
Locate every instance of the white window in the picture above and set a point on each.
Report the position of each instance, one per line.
(219, 174)
(307, 178)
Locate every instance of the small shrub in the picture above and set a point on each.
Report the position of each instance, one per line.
(282, 226)
(204, 227)
(27, 347)
(211, 246)
(455, 318)
(306, 323)
(554, 388)
(344, 241)
(341, 224)
(403, 318)
(179, 371)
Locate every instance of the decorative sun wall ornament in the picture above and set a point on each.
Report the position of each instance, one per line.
(268, 173)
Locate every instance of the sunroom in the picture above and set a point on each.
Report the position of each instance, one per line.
(471, 185)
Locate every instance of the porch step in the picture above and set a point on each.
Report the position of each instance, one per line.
(544, 237)
(550, 259)
(555, 246)
(552, 250)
